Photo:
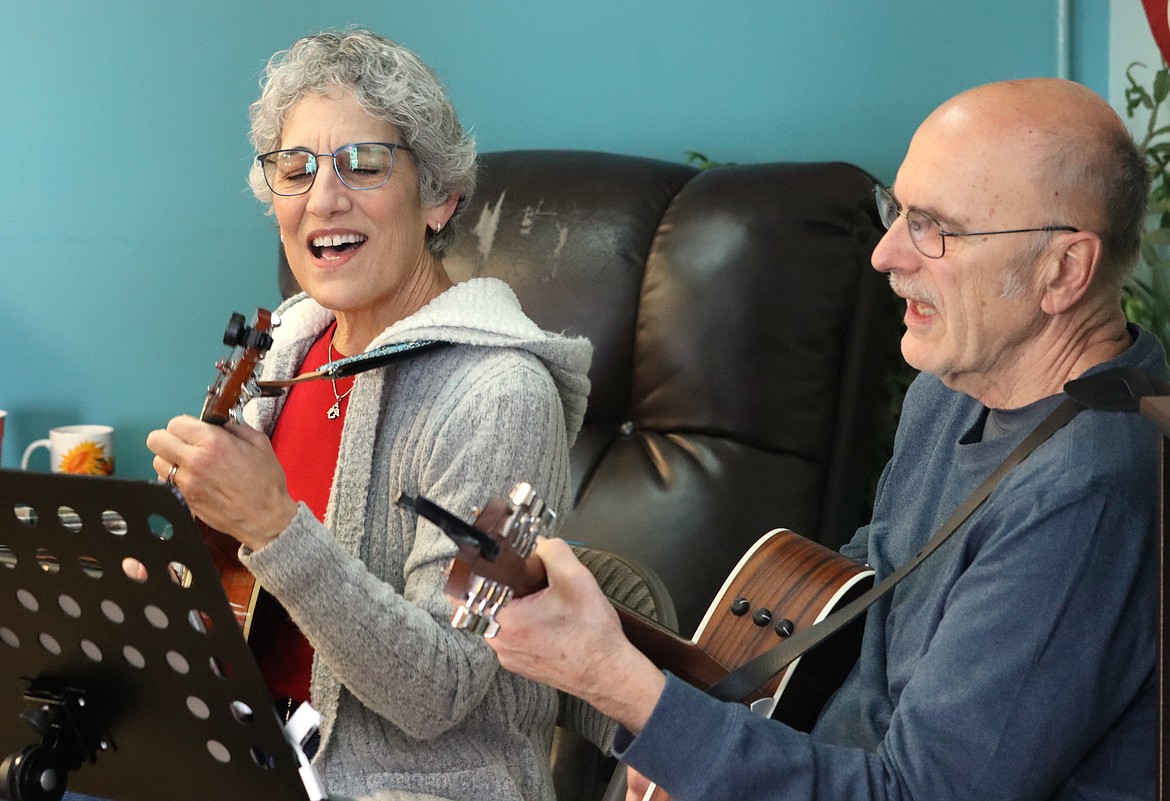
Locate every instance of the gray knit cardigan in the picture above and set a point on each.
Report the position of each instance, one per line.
(413, 709)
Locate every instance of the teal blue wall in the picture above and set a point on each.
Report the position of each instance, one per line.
(127, 234)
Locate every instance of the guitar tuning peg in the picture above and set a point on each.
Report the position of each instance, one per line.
(236, 329)
(522, 494)
(530, 518)
(482, 600)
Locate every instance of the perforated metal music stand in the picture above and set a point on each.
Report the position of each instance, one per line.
(1157, 411)
(119, 649)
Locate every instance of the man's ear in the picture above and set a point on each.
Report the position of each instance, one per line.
(1070, 268)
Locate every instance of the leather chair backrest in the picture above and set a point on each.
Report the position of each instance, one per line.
(742, 345)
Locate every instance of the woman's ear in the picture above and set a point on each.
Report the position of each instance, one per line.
(441, 213)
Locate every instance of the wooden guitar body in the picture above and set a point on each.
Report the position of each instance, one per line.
(783, 584)
(238, 582)
(786, 583)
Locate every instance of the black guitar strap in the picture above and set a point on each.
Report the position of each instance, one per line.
(352, 365)
(1119, 389)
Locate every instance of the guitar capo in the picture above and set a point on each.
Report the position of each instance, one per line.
(464, 534)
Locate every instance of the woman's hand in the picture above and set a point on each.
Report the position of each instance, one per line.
(229, 477)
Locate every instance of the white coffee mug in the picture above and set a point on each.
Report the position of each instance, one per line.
(82, 450)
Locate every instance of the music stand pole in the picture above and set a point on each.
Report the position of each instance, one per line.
(1156, 409)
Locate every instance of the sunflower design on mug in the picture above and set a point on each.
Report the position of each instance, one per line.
(86, 459)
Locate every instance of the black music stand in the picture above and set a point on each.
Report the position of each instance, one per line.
(1157, 411)
(121, 655)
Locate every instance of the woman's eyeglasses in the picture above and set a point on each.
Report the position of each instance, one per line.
(362, 165)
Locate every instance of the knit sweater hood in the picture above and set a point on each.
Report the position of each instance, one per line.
(480, 312)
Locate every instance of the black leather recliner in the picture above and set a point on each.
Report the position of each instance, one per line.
(742, 346)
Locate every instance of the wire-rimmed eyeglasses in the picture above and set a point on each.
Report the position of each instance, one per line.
(361, 165)
(927, 233)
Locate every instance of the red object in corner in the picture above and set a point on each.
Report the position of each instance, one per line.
(1159, 19)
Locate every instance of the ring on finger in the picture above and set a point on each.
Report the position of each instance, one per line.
(171, 475)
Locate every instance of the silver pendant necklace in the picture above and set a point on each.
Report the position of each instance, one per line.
(335, 410)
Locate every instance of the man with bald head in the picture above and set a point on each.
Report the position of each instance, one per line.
(1018, 661)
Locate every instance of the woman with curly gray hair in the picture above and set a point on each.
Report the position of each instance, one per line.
(388, 82)
(366, 168)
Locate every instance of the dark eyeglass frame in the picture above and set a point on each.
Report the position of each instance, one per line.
(265, 159)
(887, 203)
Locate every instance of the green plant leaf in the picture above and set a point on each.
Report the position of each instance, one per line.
(1161, 86)
(697, 159)
(1146, 298)
(1136, 94)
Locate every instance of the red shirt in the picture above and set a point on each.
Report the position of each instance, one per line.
(306, 442)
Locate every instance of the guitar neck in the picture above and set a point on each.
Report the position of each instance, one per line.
(665, 648)
(669, 651)
(225, 396)
(783, 576)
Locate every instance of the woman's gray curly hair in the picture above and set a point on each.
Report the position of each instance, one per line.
(390, 83)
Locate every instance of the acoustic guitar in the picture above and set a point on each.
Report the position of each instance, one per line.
(783, 584)
(234, 386)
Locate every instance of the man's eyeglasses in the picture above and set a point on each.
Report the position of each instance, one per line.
(927, 233)
(362, 165)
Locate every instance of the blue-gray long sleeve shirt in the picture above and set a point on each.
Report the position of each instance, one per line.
(1016, 663)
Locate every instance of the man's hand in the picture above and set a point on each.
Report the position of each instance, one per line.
(569, 636)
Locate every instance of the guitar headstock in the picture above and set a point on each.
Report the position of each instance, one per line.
(236, 383)
(493, 564)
